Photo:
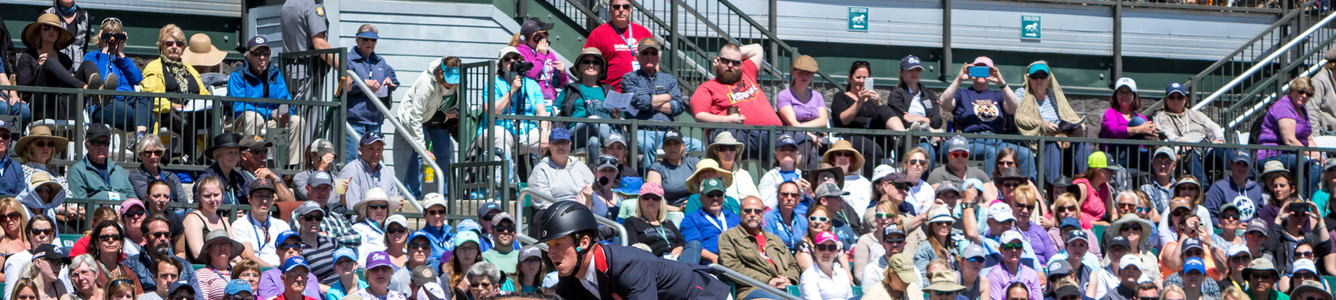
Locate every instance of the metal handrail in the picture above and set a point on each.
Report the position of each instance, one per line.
(1283, 89)
(400, 130)
(770, 34)
(398, 184)
(752, 281)
(526, 239)
(536, 195)
(1264, 62)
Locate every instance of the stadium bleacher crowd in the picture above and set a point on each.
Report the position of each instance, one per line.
(971, 210)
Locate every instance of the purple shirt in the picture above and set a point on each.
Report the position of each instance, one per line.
(999, 278)
(544, 72)
(1041, 242)
(1114, 125)
(271, 285)
(1283, 109)
(802, 111)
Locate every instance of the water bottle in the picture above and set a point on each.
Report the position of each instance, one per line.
(428, 173)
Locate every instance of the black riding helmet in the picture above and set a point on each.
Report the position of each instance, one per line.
(566, 218)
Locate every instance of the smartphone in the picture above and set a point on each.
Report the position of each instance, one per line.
(980, 72)
(868, 84)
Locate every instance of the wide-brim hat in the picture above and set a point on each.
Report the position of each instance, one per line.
(844, 145)
(41, 132)
(32, 34)
(812, 175)
(375, 194)
(595, 53)
(707, 165)
(224, 140)
(1117, 226)
(202, 52)
(214, 237)
(1274, 168)
(725, 138)
(1311, 286)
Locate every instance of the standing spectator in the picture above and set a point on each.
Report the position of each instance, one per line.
(368, 172)
(225, 151)
(618, 40)
(305, 28)
(533, 45)
(277, 281)
(380, 77)
(1123, 121)
(757, 254)
(319, 159)
(171, 73)
(1323, 103)
(977, 109)
(800, 106)
(373, 213)
(430, 112)
(705, 225)
(317, 247)
(734, 96)
(42, 65)
(76, 21)
(1190, 126)
(657, 98)
(862, 108)
(826, 279)
(257, 231)
(257, 78)
(95, 176)
(1044, 110)
(672, 171)
(151, 152)
(219, 249)
(125, 113)
(1011, 269)
(13, 183)
(1288, 123)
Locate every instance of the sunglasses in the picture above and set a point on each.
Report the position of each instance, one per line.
(258, 151)
(511, 57)
(313, 218)
(1143, 209)
(1011, 185)
(1130, 227)
(1013, 246)
(1231, 217)
(844, 154)
(1025, 206)
(400, 230)
(101, 143)
(480, 284)
(1304, 254)
(1037, 76)
(883, 215)
(157, 153)
(436, 212)
(730, 62)
(1066, 208)
(818, 219)
(940, 293)
(960, 154)
(1006, 163)
(1306, 93)
(422, 246)
(366, 40)
(49, 27)
(37, 232)
(160, 234)
(43, 189)
(378, 206)
(1262, 276)
(894, 241)
(504, 228)
(620, 6)
(109, 36)
(109, 237)
(918, 162)
(715, 195)
(13, 216)
(44, 143)
(826, 247)
(789, 195)
(726, 148)
(748, 211)
(178, 44)
(1241, 259)
(592, 62)
(286, 246)
(976, 259)
(260, 53)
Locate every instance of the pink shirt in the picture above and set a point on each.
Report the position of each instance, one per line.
(1093, 208)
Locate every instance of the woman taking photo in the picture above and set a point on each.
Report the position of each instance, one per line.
(650, 226)
(1044, 111)
(124, 113)
(672, 171)
(862, 108)
(84, 274)
(1287, 123)
(169, 74)
(1186, 187)
(826, 279)
(800, 106)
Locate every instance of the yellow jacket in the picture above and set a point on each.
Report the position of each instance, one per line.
(155, 83)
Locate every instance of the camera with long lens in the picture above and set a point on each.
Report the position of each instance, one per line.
(518, 67)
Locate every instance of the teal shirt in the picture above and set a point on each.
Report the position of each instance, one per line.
(580, 109)
(337, 291)
(1320, 199)
(504, 261)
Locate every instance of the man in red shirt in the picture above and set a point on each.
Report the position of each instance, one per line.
(733, 96)
(618, 39)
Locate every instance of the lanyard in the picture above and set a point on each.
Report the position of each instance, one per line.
(375, 227)
(220, 275)
(722, 222)
(663, 234)
(264, 227)
(628, 38)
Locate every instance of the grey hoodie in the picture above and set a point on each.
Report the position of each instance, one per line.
(563, 184)
(30, 200)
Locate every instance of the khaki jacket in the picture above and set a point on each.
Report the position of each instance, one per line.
(738, 251)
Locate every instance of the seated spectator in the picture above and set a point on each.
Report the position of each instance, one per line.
(944, 287)
(430, 112)
(801, 106)
(1311, 289)
(109, 253)
(901, 281)
(940, 244)
(1162, 183)
(45, 269)
(705, 225)
(248, 270)
(503, 252)
(38, 149)
(257, 79)
(95, 176)
(381, 78)
(158, 247)
(1012, 270)
(869, 247)
(583, 98)
(787, 160)
(1131, 232)
(560, 177)
(125, 288)
(12, 224)
(1006, 178)
(818, 218)
(345, 265)
(1128, 275)
(656, 97)
(826, 279)
(914, 106)
(957, 168)
(728, 151)
(124, 113)
(334, 225)
(1326, 188)
(1093, 188)
(1324, 93)
(279, 281)
(1232, 229)
(150, 152)
(1175, 256)
(599, 195)
(1194, 280)
(862, 108)
(1238, 188)
(753, 252)
(1024, 204)
(706, 169)
(368, 172)
(83, 275)
(159, 195)
(309, 219)
(424, 283)
(419, 251)
(1190, 126)
(128, 209)
(465, 255)
(734, 96)
(254, 165)
(225, 151)
(529, 274)
(217, 254)
(891, 243)
(857, 188)
(40, 230)
(486, 213)
(533, 45)
(649, 225)
(972, 274)
(672, 171)
(1280, 188)
(784, 221)
(257, 231)
(42, 196)
(172, 74)
(1044, 110)
(1190, 204)
(1262, 276)
(44, 64)
(519, 96)
(483, 279)
(1297, 227)
(1123, 121)
(395, 239)
(914, 166)
(842, 224)
(373, 211)
(1303, 269)
(436, 230)
(977, 109)
(13, 184)
(27, 289)
(1288, 123)
(239, 289)
(209, 195)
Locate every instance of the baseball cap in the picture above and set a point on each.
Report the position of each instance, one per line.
(1303, 264)
(345, 252)
(805, 63)
(1190, 243)
(533, 25)
(1257, 226)
(829, 190)
(892, 229)
(294, 263)
(377, 259)
(418, 234)
(1194, 264)
(911, 62)
(881, 171)
(423, 274)
(958, 143)
(321, 178)
(307, 208)
(238, 285)
(1065, 291)
(672, 135)
(712, 185)
(4, 124)
(320, 147)
(983, 60)
(972, 251)
(371, 137)
(1166, 151)
(403, 221)
(1236, 249)
(1175, 88)
(1059, 267)
(1125, 82)
(606, 161)
(1036, 68)
(1130, 260)
(649, 42)
(1119, 240)
(559, 134)
(129, 204)
(499, 217)
(1070, 222)
(466, 236)
(530, 251)
(52, 252)
(651, 188)
(1074, 235)
(1001, 212)
(1240, 156)
(826, 236)
(1101, 160)
(256, 142)
(261, 184)
(947, 186)
(287, 234)
(486, 208)
(785, 140)
(900, 263)
(255, 42)
(369, 34)
(430, 291)
(96, 130)
(433, 199)
(614, 138)
(1011, 235)
(181, 284)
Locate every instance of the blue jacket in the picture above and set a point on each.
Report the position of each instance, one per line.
(124, 68)
(697, 226)
(11, 180)
(440, 239)
(247, 84)
(140, 264)
(360, 110)
(792, 233)
(633, 274)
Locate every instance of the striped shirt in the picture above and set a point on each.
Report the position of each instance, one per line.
(320, 257)
(213, 282)
(336, 226)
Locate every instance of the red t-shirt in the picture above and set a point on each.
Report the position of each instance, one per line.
(615, 48)
(760, 242)
(715, 98)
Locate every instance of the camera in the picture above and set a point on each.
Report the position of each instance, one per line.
(518, 67)
(1298, 208)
